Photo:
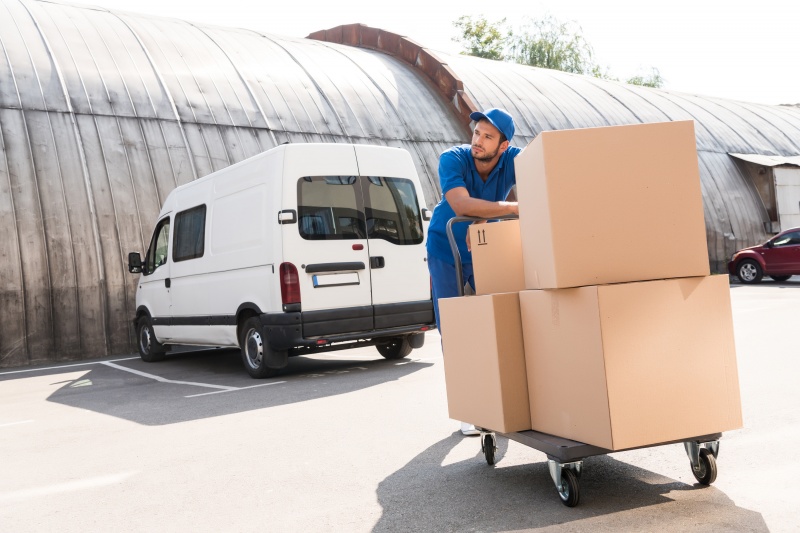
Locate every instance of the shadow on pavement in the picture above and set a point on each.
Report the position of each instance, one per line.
(472, 496)
(180, 388)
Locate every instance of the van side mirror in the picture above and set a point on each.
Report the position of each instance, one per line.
(134, 263)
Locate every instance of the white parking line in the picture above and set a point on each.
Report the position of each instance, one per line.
(165, 380)
(62, 366)
(60, 488)
(236, 389)
(15, 423)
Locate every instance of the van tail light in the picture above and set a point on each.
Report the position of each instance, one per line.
(290, 284)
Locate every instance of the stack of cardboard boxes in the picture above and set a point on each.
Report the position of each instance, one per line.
(596, 318)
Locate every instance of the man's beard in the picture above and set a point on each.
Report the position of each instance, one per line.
(486, 156)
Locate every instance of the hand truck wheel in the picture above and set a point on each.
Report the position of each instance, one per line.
(489, 445)
(569, 491)
(706, 471)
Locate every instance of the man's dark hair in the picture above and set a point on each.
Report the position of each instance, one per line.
(502, 138)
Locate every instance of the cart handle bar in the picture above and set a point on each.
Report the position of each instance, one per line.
(454, 247)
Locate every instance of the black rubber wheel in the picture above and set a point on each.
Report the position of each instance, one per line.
(255, 350)
(569, 492)
(706, 472)
(150, 350)
(394, 348)
(780, 278)
(489, 443)
(749, 271)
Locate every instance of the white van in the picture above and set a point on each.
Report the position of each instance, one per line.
(301, 249)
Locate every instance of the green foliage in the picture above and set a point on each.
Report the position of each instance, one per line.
(652, 79)
(545, 43)
(549, 43)
(481, 38)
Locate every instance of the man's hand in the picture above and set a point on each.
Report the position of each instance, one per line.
(469, 244)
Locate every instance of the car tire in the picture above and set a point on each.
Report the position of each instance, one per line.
(150, 350)
(255, 350)
(394, 347)
(780, 279)
(749, 271)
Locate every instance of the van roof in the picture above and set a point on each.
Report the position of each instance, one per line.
(279, 148)
(169, 200)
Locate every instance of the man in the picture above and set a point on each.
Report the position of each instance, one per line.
(475, 180)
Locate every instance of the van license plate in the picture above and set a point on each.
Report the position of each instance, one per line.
(335, 280)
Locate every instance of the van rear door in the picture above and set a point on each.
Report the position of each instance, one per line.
(393, 204)
(327, 244)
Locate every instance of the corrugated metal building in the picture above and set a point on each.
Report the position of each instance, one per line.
(103, 113)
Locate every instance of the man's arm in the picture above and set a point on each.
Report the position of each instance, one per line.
(464, 205)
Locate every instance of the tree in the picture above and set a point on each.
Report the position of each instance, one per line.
(549, 43)
(481, 38)
(652, 79)
(546, 43)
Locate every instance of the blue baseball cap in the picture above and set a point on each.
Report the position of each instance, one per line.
(499, 118)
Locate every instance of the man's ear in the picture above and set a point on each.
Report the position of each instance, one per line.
(502, 147)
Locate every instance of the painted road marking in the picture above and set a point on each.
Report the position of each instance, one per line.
(15, 423)
(60, 488)
(223, 388)
(62, 366)
(236, 389)
(165, 380)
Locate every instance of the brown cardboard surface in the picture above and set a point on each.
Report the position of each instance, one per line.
(611, 205)
(484, 361)
(632, 364)
(497, 257)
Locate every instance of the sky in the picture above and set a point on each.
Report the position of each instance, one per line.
(748, 51)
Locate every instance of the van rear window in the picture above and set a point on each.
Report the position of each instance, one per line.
(359, 207)
(329, 208)
(190, 232)
(392, 210)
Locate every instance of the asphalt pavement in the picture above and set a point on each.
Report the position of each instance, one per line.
(348, 441)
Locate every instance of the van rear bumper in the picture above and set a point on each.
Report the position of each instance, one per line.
(308, 329)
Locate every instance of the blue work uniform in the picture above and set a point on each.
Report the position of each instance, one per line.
(457, 169)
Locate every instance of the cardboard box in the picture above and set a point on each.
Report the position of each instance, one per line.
(611, 205)
(497, 257)
(484, 362)
(634, 364)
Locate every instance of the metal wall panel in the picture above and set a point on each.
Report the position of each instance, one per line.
(37, 305)
(13, 349)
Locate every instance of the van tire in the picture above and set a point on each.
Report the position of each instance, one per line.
(255, 350)
(150, 350)
(394, 347)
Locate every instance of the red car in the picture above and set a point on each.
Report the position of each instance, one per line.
(778, 258)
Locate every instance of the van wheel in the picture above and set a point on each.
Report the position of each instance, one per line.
(255, 350)
(394, 348)
(150, 350)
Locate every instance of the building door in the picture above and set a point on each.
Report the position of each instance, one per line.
(787, 196)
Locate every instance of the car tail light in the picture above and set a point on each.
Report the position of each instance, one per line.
(290, 284)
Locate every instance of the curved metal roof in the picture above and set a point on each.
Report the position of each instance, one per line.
(103, 113)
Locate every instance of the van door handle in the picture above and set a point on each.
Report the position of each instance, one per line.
(334, 267)
(377, 261)
(167, 283)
